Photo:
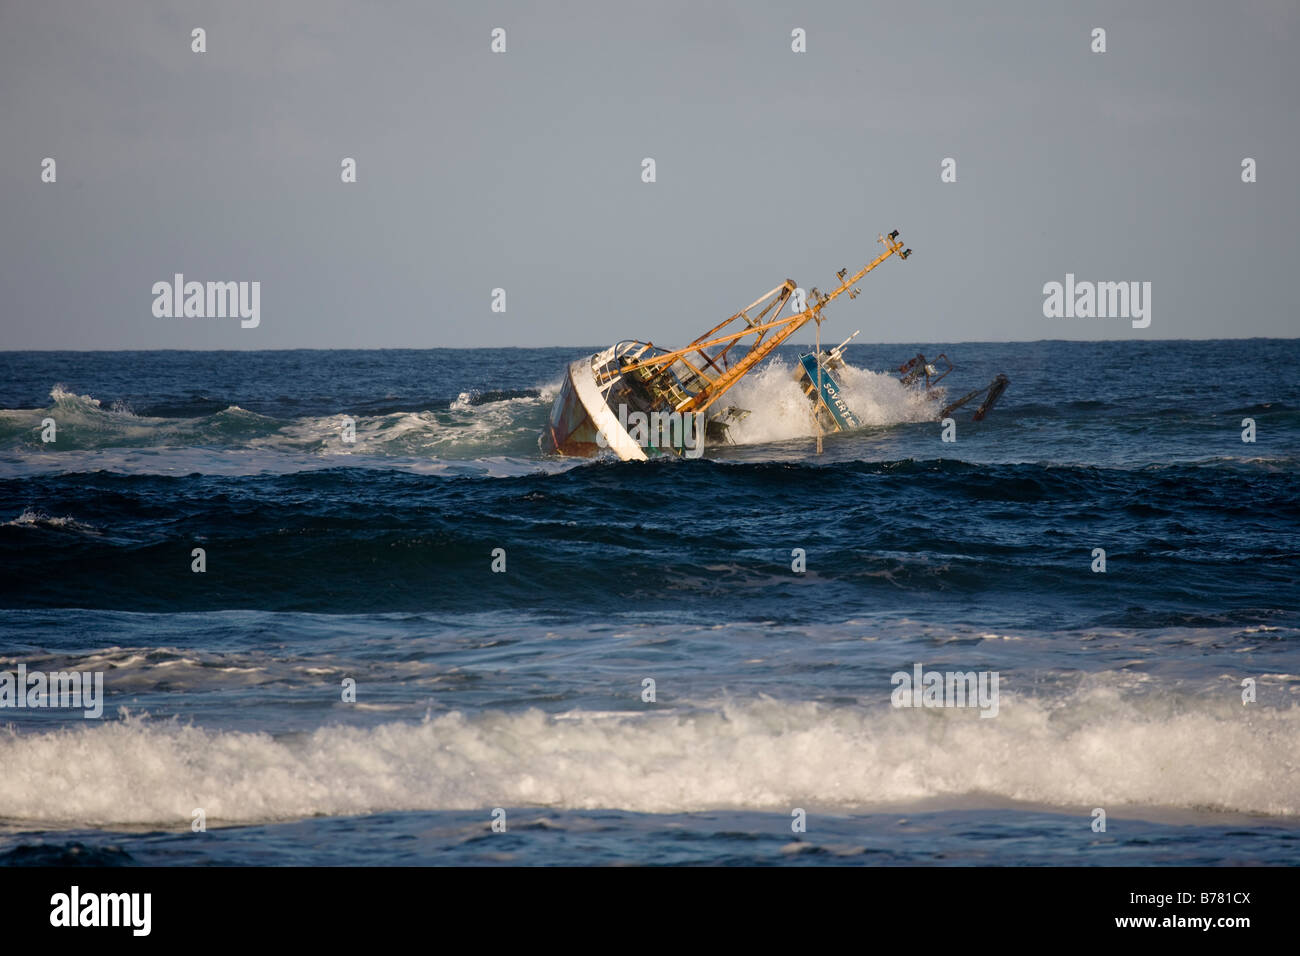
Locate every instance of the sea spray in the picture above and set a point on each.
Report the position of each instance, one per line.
(779, 411)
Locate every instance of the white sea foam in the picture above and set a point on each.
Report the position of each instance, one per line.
(779, 411)
(61, 395)
(33, 518)
(1094, 748)
(492, 438)
(461, 432)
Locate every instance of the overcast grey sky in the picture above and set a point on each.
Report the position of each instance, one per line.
(522, 170)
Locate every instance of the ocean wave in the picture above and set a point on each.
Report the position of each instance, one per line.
(35, 519)
(476, 425)
(1096, 748)
(889, 533)
(482, 425)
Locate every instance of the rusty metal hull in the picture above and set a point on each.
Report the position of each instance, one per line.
(580, 414)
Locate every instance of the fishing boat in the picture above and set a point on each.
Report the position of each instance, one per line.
(638, 400)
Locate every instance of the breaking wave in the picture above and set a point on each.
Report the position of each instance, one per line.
(35, 519)
(1095, 748)
(471, 426)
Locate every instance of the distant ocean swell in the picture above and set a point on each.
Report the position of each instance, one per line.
(882, 535)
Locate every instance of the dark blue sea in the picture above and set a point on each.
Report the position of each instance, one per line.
(1162, 691)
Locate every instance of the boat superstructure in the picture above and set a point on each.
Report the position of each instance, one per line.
(816, 375)
(637, 399)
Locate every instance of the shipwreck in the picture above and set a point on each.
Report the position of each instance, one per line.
(925, 377)
(637, 399)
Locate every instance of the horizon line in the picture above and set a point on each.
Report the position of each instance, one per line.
(522, 348)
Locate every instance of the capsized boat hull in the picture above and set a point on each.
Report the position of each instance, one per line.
(580, 414)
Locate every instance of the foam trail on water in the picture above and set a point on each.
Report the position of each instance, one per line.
(1094, 748)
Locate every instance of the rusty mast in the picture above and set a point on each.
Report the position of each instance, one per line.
(768, 329)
